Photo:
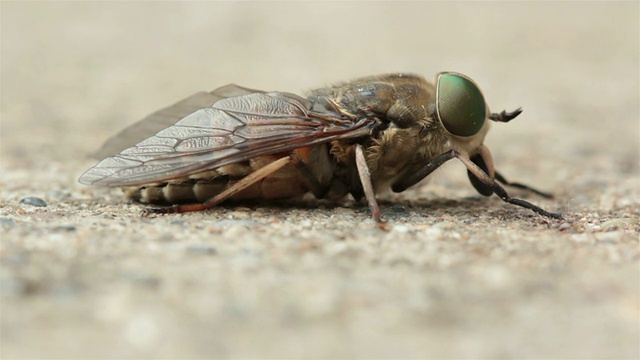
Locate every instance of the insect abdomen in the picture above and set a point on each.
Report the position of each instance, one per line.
(176, 193)
(202, 190)
(198, 188)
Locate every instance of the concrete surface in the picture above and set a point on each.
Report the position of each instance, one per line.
(457, 276)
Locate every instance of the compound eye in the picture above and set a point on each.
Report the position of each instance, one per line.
(460, 106)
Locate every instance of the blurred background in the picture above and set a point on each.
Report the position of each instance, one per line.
(92, 68)
(75, 73)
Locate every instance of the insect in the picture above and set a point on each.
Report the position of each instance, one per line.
(359, 138)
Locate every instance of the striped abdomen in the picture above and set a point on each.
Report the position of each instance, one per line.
(287, 182)
(197, 188)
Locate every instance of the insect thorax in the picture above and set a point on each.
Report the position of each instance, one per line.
(408, 135)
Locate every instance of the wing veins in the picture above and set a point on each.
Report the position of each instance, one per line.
(254, 134)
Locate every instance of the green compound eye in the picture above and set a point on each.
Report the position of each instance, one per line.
(460, 106)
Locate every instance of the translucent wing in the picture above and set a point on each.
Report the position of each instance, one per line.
(166, 117)
(231, 130)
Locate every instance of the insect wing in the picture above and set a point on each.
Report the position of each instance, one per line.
(166, 117)
(232, 130)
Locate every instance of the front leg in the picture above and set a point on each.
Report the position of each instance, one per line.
(474, 169)
(414, 178)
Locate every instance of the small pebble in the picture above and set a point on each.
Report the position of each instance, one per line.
(202, 249)
(33, 201)
(64, 228)
(434, 232)
(238, 215)
(7, 222)
(400, 228)
(397, 210)
(564, 226)
(143, 279)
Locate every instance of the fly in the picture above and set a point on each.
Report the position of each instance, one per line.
(360, 138)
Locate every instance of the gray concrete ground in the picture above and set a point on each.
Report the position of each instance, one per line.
(457, 276)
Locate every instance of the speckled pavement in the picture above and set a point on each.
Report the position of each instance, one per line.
(456, 276)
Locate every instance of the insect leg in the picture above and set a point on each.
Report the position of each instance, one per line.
(484, 160)
(477, 184)
(318, 189)
(482, 176)
(244, 183)
(365, 180)
(504, 181)
(412, 179)
(499, 190)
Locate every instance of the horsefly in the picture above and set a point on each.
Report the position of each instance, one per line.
(360, 138)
